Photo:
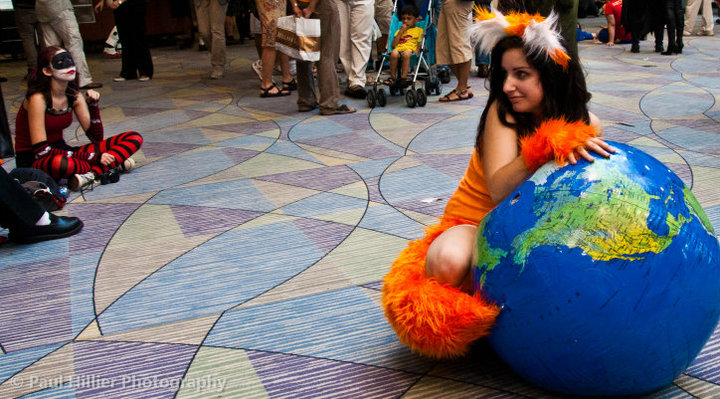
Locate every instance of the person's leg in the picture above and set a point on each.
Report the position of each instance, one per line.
(202, 9)
(670, 22)
(26, 21)
(344, 34)
(285, 69)
(143, 59)
(17, 208)
(707, 18)
(217, 15)
(268, 63)
(405, 64)
(124, 20)
(328, 86)
(679, 24)
(691, 13)
(361, 19)
(66, 27)
(449, 256)
(306, 95)
(394, 57)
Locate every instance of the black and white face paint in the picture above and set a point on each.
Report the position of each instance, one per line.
(63, 66)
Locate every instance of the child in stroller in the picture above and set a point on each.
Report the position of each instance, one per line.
(406, 42)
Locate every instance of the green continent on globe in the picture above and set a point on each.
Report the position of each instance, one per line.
(607, 220)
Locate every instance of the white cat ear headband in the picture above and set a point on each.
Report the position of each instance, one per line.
(540, 34)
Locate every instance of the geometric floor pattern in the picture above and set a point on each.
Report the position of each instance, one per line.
(243, 258)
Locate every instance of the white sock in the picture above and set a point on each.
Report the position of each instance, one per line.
(44, 220)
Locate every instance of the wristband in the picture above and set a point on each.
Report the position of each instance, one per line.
(554, 139)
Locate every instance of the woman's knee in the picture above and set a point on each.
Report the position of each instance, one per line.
(448, 264)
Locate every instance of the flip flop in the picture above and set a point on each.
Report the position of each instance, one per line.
(463, 95)
(389, 81)
(279, 93)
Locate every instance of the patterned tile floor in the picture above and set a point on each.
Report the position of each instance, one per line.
(243, 258)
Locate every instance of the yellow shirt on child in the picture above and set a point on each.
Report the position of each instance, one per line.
(410, 40)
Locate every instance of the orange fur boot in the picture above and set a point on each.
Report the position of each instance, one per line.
(434, 319)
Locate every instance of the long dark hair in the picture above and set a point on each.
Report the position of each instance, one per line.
(38, 82)
(565, 92)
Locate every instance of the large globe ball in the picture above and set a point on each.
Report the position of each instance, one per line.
(608, 274)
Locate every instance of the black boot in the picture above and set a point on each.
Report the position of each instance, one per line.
(678, 48)
(659, 48)
(635, 48)
(670, 49)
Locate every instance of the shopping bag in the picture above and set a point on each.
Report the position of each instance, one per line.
(299, 38)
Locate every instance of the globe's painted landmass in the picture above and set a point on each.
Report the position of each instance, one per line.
(567, 201)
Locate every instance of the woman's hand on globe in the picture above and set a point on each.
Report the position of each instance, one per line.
(595, 144)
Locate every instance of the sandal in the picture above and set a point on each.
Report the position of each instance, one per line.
(463, 95)
(341, 109)
(289, 86)
(279, 93)
(389, 81)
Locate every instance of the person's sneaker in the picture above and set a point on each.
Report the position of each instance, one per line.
(79, 181)
(119, 79)
(216, 74)
(127, 165)
(144, 78)
(111, 52)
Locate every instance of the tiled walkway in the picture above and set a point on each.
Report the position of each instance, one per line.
(244, 256)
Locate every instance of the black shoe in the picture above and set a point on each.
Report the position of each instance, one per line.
(59, 227)
(659, 48)
(635, 48)
(678, 48)
(670, 50)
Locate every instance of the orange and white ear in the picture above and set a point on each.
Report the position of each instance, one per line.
(488, 29)
(544, 38)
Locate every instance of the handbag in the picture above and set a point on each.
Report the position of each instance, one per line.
(299, 38)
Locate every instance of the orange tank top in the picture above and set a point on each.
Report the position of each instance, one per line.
(471, 201)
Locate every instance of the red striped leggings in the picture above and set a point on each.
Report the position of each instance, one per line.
(121, 146)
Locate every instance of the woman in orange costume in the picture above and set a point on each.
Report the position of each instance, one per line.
(536, 112)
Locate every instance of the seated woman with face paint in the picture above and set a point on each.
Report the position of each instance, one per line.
(52, 96)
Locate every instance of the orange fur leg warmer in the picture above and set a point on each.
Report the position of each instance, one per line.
(554, 139)
(434, 319)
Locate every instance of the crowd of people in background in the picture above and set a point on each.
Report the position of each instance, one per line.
(355, 40)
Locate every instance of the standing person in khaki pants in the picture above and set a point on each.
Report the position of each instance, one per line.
(329, 89)
(691, 13)
(60, 28)
(211, 27)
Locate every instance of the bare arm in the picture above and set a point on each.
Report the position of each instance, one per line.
(36, 118)
(81, 112)
(398, 35)
(505, 169)
(611, 29)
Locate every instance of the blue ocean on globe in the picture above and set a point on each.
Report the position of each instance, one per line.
(608, 275)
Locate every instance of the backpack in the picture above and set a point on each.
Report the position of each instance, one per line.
(41, 187)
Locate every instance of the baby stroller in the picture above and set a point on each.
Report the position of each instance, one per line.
(420, 63)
